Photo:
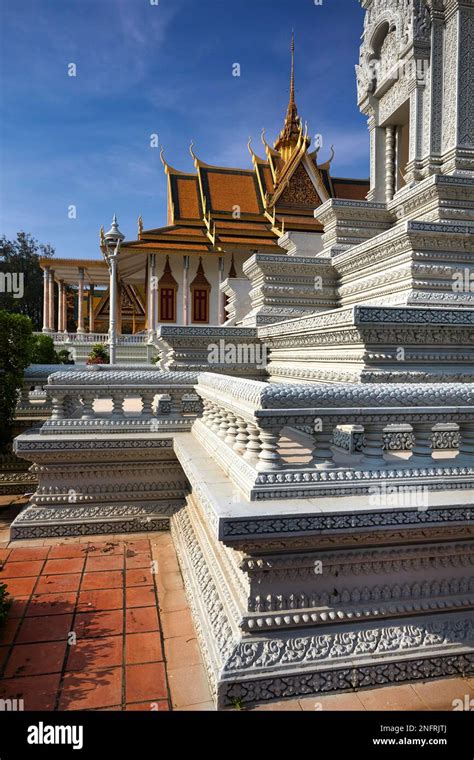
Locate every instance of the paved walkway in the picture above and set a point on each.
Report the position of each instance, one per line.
(103, 624)
(93, 623)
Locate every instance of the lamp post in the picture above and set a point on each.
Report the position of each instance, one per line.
(113, 238)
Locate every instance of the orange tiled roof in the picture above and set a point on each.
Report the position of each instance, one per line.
(186, 197)
(228, 189)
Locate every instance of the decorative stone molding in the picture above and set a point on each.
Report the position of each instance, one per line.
(236, 290)
(191, 348)
(317, 651)
(362, 344)
(287, 286)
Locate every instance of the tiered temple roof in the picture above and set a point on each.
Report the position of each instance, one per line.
(218, 209)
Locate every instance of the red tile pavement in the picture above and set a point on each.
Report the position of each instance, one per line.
(93, 627)
(103, 579)
(63, 645)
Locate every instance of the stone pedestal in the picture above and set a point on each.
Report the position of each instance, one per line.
(307, 597)
(211, 349)
(99, 483)
(284, 287)
(367, 343)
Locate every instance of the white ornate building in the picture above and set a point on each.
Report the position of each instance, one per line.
(322, 513)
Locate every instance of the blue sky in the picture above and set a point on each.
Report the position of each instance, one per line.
(165, 69)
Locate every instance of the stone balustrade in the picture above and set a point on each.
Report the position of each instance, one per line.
(125, 340)
(34, 401)
(135, 400)
(350, 438)
(247, 427)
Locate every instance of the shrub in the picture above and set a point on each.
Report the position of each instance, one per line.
(65, 357)
(98, 354)
(42, 350)
(15, 352)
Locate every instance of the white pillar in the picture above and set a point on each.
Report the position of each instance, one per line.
(155, 301)
(220, 294)
(91, 307)
(113, 308)
(46, 300)
(185, 290)
(64, 307)
(152, 300)
(389, 163)
(60, 305)
(377, 150)
(51, 300)
(80, 301)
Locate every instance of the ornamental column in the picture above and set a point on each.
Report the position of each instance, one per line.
(185, 290)
(111, 247)
(91, 308)
(64, 307)
(46, 300)
(113, 308)
(389, 163)
(155, 300)
(60, 305)
(152, 286)
(220, 294)
(377, 149)
(51, 300)
(80, 301)
(118, 316)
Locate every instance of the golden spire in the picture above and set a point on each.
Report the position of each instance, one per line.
(288, 137)
(292, 78)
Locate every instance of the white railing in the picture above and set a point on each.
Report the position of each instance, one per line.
(81, 338)
(139, 400)
(245, 424)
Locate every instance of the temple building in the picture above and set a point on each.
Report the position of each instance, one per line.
(318, 478)
(217, 218)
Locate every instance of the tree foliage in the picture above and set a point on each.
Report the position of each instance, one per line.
(15, 352)
(98, 354)
(42, 350)
(22, 256)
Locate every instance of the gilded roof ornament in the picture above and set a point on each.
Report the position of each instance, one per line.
(291, 132)
(193, 155)
(268, 147)
(327, 163)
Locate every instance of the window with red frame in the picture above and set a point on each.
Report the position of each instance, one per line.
(200, 305)
(167, 305)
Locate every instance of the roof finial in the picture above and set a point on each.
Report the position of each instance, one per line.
(292, 78)
(290, 134)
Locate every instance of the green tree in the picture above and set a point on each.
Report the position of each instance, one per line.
(21, 257)
(15, 352)
(42, 350)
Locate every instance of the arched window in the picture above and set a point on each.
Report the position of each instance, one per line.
(200, 290)
(167, 289)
